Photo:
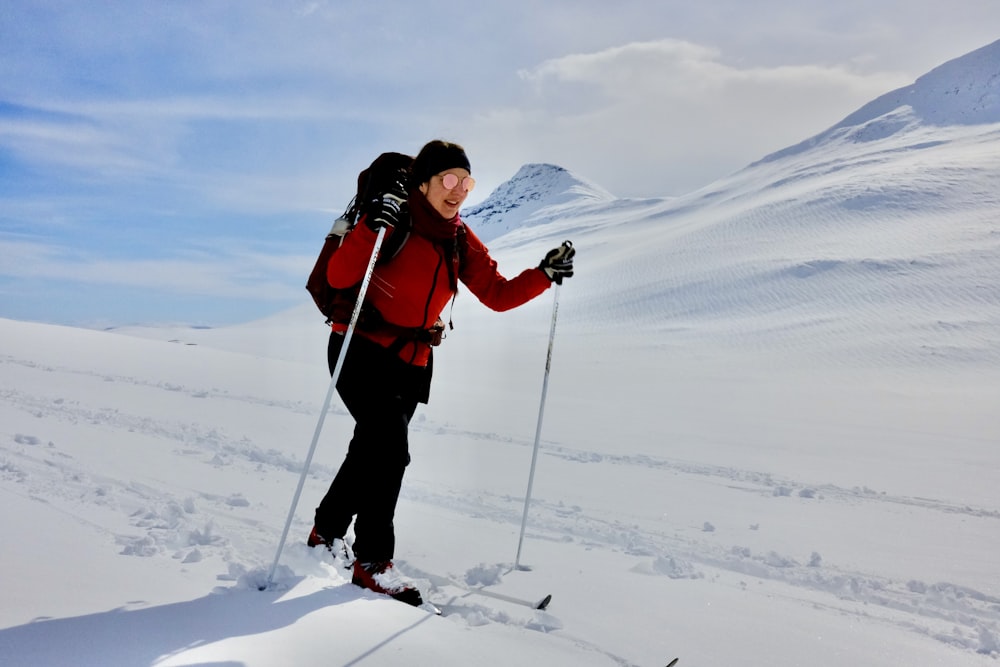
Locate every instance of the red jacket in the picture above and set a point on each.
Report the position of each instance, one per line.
(413, 289)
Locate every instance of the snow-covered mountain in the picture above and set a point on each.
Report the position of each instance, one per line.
(769, 439)
(878, 236)
(963, 91)
(534, 188)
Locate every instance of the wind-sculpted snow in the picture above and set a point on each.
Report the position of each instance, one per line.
(167, 473)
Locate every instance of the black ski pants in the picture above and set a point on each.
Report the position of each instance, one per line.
(381, 392)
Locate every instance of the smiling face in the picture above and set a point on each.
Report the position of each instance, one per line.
(446, 201)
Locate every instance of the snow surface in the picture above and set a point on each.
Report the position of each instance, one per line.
(770, 438)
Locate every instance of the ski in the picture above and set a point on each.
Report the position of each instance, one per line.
(344, 563)
(431, 608)
(673, 662)
(540, 604)
(423, 604)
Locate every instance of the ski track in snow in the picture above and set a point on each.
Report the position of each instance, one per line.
(158, 519)
(957, 615)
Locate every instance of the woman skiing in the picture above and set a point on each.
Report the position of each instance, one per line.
(387, 369)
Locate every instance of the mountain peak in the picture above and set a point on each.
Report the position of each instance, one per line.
(963, 91)
(534, 187)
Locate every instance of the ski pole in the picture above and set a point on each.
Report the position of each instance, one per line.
(538, 427)
(326, 403)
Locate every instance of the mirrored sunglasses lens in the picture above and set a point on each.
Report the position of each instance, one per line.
(449, 181)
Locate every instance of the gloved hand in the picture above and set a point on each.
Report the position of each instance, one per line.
(387, 211)
(387, 214)
(558, 262)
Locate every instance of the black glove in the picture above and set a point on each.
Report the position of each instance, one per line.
(558, 262)
(387, 210)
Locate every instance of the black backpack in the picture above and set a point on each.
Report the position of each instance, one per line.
(338, 304)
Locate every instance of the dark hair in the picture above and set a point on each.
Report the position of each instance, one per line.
(437, 156)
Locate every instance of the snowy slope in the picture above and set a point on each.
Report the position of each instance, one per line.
(770, 439)
(963, 91)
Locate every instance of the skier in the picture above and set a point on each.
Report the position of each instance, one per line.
(387, 369)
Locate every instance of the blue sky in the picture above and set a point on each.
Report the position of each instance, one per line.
(180, 161)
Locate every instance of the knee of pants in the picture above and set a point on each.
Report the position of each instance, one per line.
(381, 447)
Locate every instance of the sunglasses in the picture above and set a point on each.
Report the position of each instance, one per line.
(450, 181)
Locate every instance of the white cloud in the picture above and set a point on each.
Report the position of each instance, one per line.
(72, 143)
(237, 274)
(621, 67)
(668, 116)
(207, 107)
